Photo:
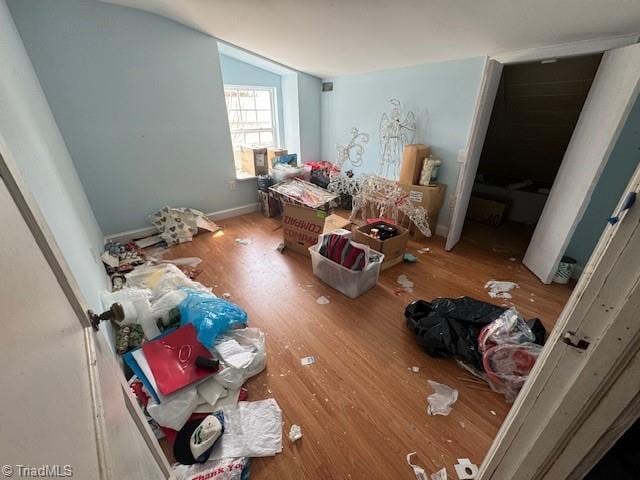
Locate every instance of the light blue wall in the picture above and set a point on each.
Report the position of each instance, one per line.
(442, 95)
(140, 103)
(237, 72)
(309, 92)
(623, 161)
(30, 138)
(291, 112)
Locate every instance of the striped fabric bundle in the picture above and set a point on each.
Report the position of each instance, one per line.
(338, 248)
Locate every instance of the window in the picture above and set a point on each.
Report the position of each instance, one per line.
(252, 119)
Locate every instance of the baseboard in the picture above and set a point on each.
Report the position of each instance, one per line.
(234, 212)
(214, 216)
(442, 230)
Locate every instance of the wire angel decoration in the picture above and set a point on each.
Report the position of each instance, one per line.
(345, 153)
(395, 133)
(374, 196)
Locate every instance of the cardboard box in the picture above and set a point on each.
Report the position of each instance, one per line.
(486, 210)
(272, 153)
(392, 248)
(431, 198)
(334, 222)
(254, 160)
(269, 205)
(301, 227)
(412, 160)
(305, 194)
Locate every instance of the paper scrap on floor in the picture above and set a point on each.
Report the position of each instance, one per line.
(442, 400)
(418, 471)
(322, 300)
(500, 289)
(304, 361)
(295, 433)
(405, 283)
(440, 475)
(465, 469)
(251, 429)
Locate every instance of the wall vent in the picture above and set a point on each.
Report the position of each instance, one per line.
(327, 86)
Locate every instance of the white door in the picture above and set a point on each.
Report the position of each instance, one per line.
(63, 401)
(612, 95)
(588, 374)
(469, 164)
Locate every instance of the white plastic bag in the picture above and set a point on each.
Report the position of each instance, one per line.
(211, 390)
(137, 307)
(175, 409)
(160, 309)
(509, 327)
(252, 340)
(161, 279)
(233, 354)
(223, 469)
(442, 400)
(251, 429)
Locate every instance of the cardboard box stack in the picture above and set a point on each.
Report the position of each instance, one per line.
(254, 160)
(430, 197)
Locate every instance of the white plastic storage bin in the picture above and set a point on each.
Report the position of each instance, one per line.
(351, 283)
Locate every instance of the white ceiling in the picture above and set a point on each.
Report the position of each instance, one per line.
(335, 37)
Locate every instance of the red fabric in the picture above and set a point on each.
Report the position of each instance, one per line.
(244, 394)
(320, 165)
(380, 220)
(140, 394)
(172, 359)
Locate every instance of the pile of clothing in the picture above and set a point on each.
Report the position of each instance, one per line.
(188, 368)
(492, 342)
(321, 172)
(338, 247)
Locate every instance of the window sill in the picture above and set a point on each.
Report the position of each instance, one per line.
(241, 176)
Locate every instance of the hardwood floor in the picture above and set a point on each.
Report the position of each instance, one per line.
(360, 406)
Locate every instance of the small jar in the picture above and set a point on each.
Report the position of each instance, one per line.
(375, 233)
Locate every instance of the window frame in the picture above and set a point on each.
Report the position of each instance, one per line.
(275, 124)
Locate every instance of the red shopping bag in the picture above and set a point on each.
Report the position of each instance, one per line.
(172, 359)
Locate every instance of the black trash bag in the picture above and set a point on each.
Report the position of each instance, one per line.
(449, 327)
(538, 330)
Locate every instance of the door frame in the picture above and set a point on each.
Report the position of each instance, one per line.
(46, 242)
(468, 163)
(577, 402)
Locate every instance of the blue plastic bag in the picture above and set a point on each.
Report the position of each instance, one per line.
(210, 315)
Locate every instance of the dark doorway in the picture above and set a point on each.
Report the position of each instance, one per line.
(534, 115)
